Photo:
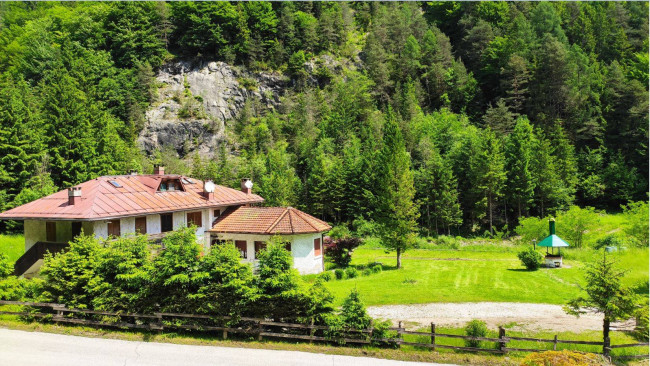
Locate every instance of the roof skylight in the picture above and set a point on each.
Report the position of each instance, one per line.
(115, 184)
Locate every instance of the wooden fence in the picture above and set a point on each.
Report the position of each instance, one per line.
(261, 328)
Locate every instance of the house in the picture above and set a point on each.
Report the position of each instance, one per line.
(158, 203)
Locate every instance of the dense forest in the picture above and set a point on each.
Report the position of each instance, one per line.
(458, 117)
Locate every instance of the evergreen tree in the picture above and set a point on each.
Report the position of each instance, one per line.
(491, 173)
(519, 153)
(397, 212)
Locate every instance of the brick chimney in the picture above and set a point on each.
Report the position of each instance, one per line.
(74, 195)
(246, 185)
(158, 170)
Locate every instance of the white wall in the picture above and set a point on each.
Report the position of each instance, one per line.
(179, 220)
(34, 232)
(127, 225)
(302, 249)
(153, 224)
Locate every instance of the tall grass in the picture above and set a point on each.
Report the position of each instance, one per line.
(13, 246)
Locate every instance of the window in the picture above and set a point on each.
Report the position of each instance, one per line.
(194, 218)
(50, 231)
(259, 246)
(170, 185)
(141, 225)
(114, 228)
(115, 184)
(241, 246)
(166, 223)
(187, 181)
(76, 229)
(287, 246)
(317, 249)
(216, 213)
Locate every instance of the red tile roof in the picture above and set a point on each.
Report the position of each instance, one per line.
(269, 221)
(137, 195)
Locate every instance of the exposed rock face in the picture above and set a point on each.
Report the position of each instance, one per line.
(197, 99)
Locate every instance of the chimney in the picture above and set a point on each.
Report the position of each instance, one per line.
(74, 195)
(158, 170)
(133, 172)
(246, 185)
(208, 189)
(551, 226)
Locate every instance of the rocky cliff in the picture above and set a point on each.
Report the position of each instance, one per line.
(195, 101)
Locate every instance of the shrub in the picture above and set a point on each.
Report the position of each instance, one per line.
(560, 358)
(340, 250)
(376, 268)
(353, 312)
(351, 272)
(339, 274)
(608, 241)
(530, 258)
(532, 228)
(475, 328)
(636, 222)
(367, 272)
(326, 276)
(380, 330)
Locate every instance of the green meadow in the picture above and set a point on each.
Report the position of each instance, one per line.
(470, 275)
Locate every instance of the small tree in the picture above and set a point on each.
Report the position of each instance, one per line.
(530, 258)
(340, 250)
(281, 291)
(353, 312)
(68, 274)
(227, 287)
(605, 294)
(475, 328)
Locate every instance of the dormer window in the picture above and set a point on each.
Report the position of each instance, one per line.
(170, 185)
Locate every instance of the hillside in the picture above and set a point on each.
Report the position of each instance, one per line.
(486, 111)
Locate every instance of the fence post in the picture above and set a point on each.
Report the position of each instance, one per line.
(259, 330)
(311, 330)
(59, 313)
(502, 339)
(399, 333)
(606, 347)
(555, 343)
(159, 318)
(225, 334)
(433, 336)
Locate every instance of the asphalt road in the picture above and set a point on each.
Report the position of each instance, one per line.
(33, 348)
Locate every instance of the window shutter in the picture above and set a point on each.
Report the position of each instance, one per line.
(241, 245)
(141, 225)
(259, 246)
(317, 248)
(114, 228)
(50, 231)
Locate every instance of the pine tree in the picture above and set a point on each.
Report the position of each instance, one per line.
(491, 172)
(515, 79)
(397, 212)
(520, 148)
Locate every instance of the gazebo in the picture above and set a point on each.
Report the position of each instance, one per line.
(553, 241)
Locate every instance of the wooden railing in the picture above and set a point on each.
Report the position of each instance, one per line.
(35, 253)
(261, 328)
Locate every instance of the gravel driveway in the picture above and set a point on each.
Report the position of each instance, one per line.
(527, 316)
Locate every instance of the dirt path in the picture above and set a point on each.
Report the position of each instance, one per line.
(527, 316)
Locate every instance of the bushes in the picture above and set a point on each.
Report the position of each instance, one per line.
(351, 272)
(124, 276)
(376, 268)
(560, 358)
(339, 250)
(339, 274)
(636, 222)
(326, 276)
(475, 328)
(530, 258)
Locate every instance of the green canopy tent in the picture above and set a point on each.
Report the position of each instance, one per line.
(552, 241)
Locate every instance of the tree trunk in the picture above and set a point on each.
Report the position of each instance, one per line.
(606, 336)
(399, 258)
(490, 212)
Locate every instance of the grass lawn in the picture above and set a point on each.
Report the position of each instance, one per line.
(449, 275)
(13, 246)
